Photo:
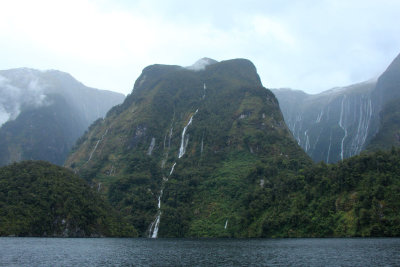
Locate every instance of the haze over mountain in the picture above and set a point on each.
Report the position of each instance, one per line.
(42, 113)
(341, 122)
(203, 151)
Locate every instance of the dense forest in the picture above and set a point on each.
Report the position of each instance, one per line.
(41, 199)
(359, 196)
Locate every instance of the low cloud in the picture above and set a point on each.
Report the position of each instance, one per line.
(19, 94)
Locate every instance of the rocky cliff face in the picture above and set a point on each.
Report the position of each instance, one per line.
(332, 125)
(43, 113)
(387, 108)
(340, 123)
(179, 156)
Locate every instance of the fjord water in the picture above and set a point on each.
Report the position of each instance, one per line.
(199, 252)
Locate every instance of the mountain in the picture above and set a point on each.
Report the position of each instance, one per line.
(387, 95)
(342, 122)
(331, 125)
(188, 148)
(41, 199)
(42, 113)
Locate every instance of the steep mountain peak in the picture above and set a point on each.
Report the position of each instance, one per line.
(388, 85)
(202, 63)
(186, 130)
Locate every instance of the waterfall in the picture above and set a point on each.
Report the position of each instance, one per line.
(343, 128)
(226, 223)
(154, 226)
(151, 147)
(329, 148)
(319, 117)
(97, 143)
(204, 90)
(153, 229)
(172, 169)
(317, 140)
(184, 141)
(307, 145)
(170, 136)
(365, 114)
(296, 134)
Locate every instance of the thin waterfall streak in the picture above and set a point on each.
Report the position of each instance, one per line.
(184, 141)
(172, 169)
(343, 128)
(329, 148)
(97, 143)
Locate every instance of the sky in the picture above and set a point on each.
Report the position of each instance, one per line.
(311, 45)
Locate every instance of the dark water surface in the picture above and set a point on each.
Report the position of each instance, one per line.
(199, 252)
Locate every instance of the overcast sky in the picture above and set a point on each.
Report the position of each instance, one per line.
(311, 45)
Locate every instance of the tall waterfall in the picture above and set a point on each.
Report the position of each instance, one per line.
(184, 141)
(154, 226)
(341, 124)
(153, 229)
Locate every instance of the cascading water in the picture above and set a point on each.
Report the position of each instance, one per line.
(343, 128)
(153, 233)
(226, 223)
(153, 229)
(172, 169)
(184, 141)
(154, 226)
(365, 115)
(307, 146)
(151, 147)
(319, 117)
(329, 148)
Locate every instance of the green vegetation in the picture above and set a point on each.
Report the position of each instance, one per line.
(41, 199)
(356, 197)
(243, 174)
(237, 127)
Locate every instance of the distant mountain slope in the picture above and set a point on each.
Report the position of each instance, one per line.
(387, 93)
(41, 199)
(42, 113)
(339, 123)
(332, 125)
(187, 148)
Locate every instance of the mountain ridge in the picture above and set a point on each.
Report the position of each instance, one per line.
(172, 133)
(44, 112)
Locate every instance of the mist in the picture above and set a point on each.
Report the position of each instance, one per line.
(17, 95)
